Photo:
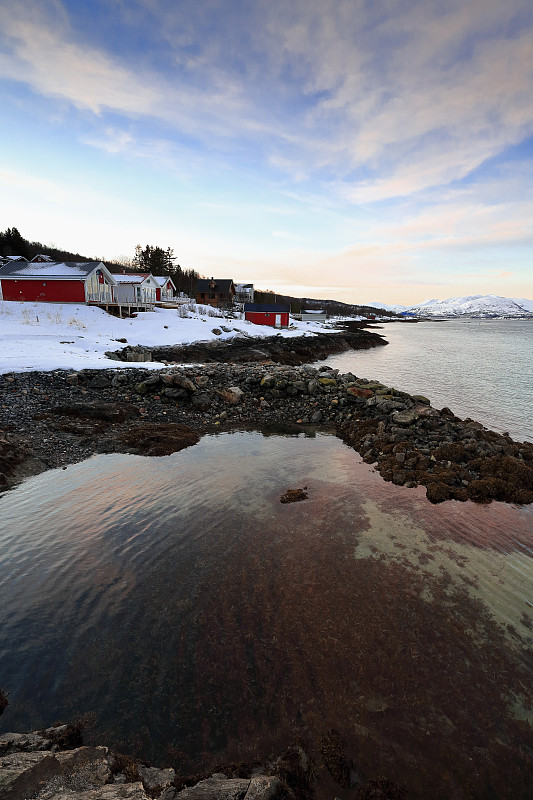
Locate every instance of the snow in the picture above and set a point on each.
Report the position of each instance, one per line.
(473, 305)
(121, 278)
(53, 270)
(49, 336)
(527, 305)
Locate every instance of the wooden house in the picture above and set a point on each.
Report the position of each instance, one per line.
(56, 282)
(218, 292)
(166, 289)
(273, 314)
(136, 288)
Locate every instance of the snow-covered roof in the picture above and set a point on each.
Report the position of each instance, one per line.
(131, 277)
(41, 257)
(47, 269)
(163, 279)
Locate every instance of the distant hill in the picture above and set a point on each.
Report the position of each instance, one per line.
(478, 305)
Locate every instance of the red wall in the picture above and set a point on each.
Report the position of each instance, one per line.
(51, 291)
(261, 318)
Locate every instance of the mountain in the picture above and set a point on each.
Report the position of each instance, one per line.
(477, 305)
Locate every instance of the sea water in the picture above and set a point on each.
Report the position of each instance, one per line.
(481, 369)
(192, 618)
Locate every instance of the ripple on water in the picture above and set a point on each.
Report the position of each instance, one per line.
(202, 619)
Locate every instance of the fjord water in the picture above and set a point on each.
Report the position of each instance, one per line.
(478, 368)
(200, 620)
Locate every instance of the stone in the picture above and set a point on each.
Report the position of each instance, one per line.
(264, 787)
(231, 395)
(183, 383)
(294, 496)
(268, 381)
(216, 788)
(316, 417)
(155, 780)
(356, 391)
(405, 417)
(201, 401)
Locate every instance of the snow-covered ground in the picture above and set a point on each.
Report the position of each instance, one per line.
(47, 336)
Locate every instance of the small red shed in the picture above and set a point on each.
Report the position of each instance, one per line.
(273, 314)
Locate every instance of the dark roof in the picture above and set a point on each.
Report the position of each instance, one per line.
(221, 285)
(269, 308)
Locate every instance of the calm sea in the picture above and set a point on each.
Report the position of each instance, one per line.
(479, 368)
(194, 619)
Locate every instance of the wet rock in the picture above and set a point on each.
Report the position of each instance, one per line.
(155, 780)
(357, 391)
(293, 496)
(158, 440)
(405, 417)
(216, 788)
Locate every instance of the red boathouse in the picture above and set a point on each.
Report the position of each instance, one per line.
(273, 314)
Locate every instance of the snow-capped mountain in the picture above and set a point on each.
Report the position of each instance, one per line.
(477, 305)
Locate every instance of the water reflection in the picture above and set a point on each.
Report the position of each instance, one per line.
(203, 620)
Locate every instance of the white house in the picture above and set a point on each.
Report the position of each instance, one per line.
(136, 287)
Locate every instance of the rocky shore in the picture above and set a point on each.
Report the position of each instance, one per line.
(52, 419)
(53, 764)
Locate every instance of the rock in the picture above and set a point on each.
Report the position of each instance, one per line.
(158, 440)
(264, 787)
(183, 383)
(268, 381)
(421, 399)
(101, 382)
(216, 788)
(155, 780)
(202, 402)
(293, 496)
(216, 331)
(356, 391)
(405, 417)
(231, 395)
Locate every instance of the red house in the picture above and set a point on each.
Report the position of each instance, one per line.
(56, 282)
(167, 288)
(273, 314)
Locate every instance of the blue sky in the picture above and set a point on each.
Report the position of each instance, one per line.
(327, 148)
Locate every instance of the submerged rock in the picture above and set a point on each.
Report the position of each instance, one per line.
(294, 495)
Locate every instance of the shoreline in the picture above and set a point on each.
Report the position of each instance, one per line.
(53, 419)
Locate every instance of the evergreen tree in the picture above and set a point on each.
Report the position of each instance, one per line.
(13, 244)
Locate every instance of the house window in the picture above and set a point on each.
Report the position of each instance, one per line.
(212, 296)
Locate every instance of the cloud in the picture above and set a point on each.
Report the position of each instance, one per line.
(376, 104)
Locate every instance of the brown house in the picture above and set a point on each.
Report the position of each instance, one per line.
(215, 292)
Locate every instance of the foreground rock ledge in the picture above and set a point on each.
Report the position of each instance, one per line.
(52, 419)
(53, 764)
(47, 766)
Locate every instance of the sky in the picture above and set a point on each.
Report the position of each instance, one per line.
(346, 149)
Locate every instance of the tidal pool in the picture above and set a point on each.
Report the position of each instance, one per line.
(196, 620)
